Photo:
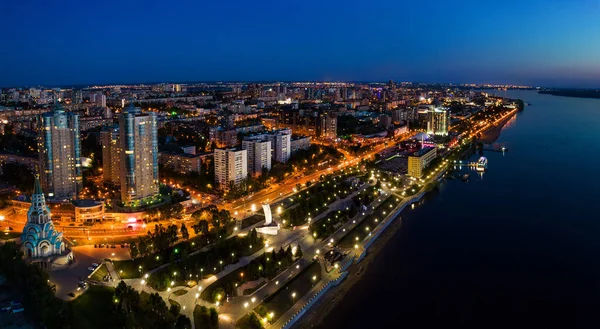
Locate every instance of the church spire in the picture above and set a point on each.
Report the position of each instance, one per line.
(37, 187)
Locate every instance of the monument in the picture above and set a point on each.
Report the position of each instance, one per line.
(270, 226)
(40, 242)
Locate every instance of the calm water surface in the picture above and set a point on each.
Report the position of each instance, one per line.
(519, 247)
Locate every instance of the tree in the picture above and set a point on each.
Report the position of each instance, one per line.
(299, 253)
(184, 232)
(174, 309)
(142, 247)
(353, 211)
(253, 322)
(183, 322)
(214, 318)
(218, 294)
(288, 254)
(133, 250)
(201, 227)
(197, 214)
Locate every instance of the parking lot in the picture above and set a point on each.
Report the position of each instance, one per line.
(66, 280)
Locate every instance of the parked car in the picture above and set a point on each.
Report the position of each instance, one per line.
(17, 308)
(71, 294)
(95, 264)
(91, 268)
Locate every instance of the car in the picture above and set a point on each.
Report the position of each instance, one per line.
(129, 228)
(18, 308)
(91, 268)
(113, 246)
(71, 294)
(95, 264)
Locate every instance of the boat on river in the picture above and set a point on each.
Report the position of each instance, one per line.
(482, 164)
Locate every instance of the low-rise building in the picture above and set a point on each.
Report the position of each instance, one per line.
(30, 162)
(81, 211)
(183, 163)
(420, 160)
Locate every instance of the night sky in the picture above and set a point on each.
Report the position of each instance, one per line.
(536, 42)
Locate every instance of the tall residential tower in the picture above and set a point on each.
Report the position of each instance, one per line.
(60, 153)
(139, 157)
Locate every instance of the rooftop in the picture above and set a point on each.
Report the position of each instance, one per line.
(422, 151)
(86, 203)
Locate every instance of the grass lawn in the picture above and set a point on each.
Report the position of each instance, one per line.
(282, 300)
(249, 221)
(128, 269)
(247, 322)
(253, 289)
(364, 228)
(100, 273)
(236, 279)
(209, 261)
(94, 309)
(180, 292)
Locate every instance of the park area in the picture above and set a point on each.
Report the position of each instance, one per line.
(280, 302)
(94, 308)
(369, 223)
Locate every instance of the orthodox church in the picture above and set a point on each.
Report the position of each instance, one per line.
(40, 242)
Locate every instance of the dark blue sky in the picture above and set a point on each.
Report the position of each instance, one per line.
(538, 42)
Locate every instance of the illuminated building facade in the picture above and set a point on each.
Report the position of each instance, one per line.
(139, 157)
(60, 153)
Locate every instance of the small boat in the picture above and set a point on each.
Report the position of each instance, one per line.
(482, 164)
(465, 177)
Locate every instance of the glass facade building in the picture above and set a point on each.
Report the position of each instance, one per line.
(60, 153)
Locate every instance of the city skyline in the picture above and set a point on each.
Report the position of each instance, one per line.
(466, 42)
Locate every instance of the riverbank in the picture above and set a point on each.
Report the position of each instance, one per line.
(577, 93)
(318, 312)
(493, 133)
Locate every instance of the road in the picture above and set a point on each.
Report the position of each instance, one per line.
(285, 189)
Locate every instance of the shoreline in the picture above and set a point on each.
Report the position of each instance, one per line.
(320, 310)
(493, 133)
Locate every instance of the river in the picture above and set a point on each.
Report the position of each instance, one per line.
(518, 247)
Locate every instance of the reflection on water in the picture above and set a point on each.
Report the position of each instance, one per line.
(516, 249)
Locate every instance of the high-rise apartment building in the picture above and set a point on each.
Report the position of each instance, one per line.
(139, 156)
(111, 154)
(98, 99)
(437, 121)
(328, 126)
(60, 153)
(281, 141)
(259, 155)
(231, 167)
